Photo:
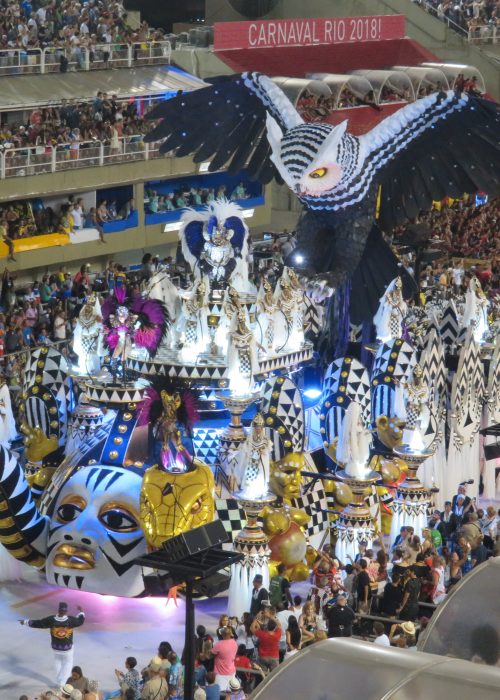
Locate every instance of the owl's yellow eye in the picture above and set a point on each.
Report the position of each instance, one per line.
(320, 172)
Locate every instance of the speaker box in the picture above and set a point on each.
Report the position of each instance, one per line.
(194, 541)
(211, 586)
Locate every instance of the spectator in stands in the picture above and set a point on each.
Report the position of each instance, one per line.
(224, 652)
(156, 688)
(130, 679)
(78, 680)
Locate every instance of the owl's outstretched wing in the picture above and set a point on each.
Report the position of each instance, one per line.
(225, 123)
(444, 145)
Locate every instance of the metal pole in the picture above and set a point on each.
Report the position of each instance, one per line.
(189, 647)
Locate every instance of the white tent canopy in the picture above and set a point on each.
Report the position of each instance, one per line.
(393, 80)
(452, 70)
(424, 77)
(343, 669)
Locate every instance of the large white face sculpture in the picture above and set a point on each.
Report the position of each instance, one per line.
(94, 533)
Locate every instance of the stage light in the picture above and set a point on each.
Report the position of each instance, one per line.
(312, 393)
(299, 259)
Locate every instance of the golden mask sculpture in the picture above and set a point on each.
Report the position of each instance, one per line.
(172, 503)
(284, 524)
(390, 431)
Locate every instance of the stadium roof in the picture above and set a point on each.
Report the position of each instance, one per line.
(28, 91)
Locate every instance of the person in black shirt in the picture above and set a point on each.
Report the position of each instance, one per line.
(61, 628)
(392, 596)
(411, 593)
(340, 618)
(448, 522)
(259, 594)
(363, 587)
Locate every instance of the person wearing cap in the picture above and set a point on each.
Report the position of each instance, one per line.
(259, 594)
(403, 635)
(61, 628)
(234, 690)
(157, 687)
(340, 618)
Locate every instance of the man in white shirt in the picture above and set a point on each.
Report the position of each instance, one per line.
(381, 638)
(283, 616)
(77, 214)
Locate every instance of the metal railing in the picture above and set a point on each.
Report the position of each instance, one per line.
(34, 160)
(20, 61)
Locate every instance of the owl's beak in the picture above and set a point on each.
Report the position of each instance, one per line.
(297, 188)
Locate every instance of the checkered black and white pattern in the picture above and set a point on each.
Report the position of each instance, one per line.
(191, 332)
(314, 503)
(231, 515)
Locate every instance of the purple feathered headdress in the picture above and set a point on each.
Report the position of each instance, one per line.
(151, 326)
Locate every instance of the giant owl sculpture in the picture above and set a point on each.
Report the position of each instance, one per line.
(442, 145)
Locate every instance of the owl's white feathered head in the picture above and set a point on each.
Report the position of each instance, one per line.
(309, 157)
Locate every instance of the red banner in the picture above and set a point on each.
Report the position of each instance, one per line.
(307, 32)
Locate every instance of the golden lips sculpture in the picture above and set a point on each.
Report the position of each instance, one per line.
(172, 503)
(284, 524)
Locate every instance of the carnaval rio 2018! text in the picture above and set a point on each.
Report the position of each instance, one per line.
(304, 32)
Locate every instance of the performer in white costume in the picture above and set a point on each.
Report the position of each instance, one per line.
(242, 359)
(193, 324)
(8, 429)
(252, 469)
(476, 310)
(88, 338)
(392, 309)
(353, 449)
(266, 308)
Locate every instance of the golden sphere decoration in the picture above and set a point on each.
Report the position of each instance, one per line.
(343, 494)
(288, 443)
(387, 380)
(340, 399)
(53, 410)
(35, 390)
(390, 368)
(127, 416)
(348, 360)
(122, 428)
(275, 394)
(344, 374)
(40, 363)
(273, 409)
(375, 382)
(394, 355)
(342, 388)
(328, 404)
(118, 440)
(269, 420)
(281, 430)
(38, 378)
(113, 454)
(390, 471)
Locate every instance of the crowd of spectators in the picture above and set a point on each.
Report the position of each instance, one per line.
(479, 19)
(193, 197)
(19, 220)
(75, 125)
(464, 229)
(68, 25)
